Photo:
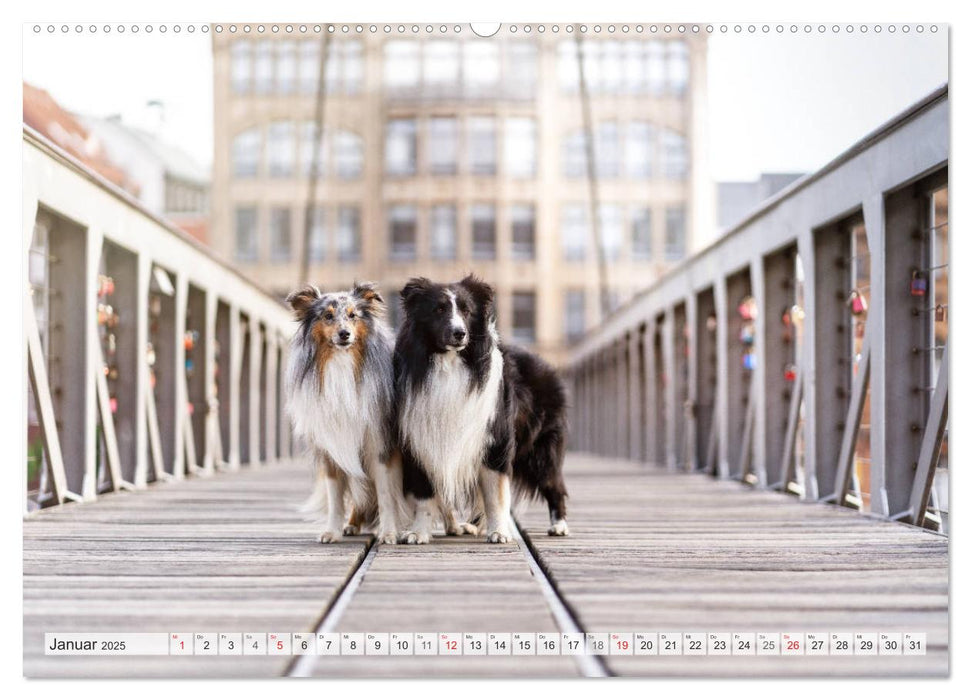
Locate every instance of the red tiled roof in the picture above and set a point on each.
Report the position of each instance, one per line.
(42, 113)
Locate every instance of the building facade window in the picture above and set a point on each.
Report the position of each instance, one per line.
(403, 231)
(521, 69)
(590, 52)
(246, 153)
(345, 67)
(639, 150)
(524, 317)
(574, 314)
(441, 65)
(568, 66)
(519, 152)
(483, 231)
(674, 155)
(307, 140)
(348, 155)
(655, 67)
(523, 218)
(400, 147)
(281, 149)
(286, 67)
(480, 68)
(281, 243)
(611, 230)
(607, 143)
(442, 146)
(482, 145)
(402, 65)
(678, 67)
(317, 245)
(348, 233)
(640, 233)
(612, 67)
(444, 232)
(674, 234)
(635, 67)
(575, 154)
(263, 69)
(574, 231)
(241, 66)
(309, 66)
(247, 240)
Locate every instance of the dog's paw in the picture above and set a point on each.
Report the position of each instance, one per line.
(351, 530)
(497, 537)
(329, 537)
(414, 538)
(558, 529)
(463, 529)
(389, 537)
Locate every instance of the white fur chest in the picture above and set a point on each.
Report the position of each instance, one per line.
(447, 422)
(335, 416)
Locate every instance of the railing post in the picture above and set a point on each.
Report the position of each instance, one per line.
(255, 367)
(210, 436)
(93, 242)
(270, 398)
(721, 389)
(691, 458)
(634, 420)
(236, 386)
(178, 376)
(670, 389)
(651, 446)
(759, 384)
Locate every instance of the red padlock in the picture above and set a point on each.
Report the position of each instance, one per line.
(789, 372)
(918, 284)
(857, 303)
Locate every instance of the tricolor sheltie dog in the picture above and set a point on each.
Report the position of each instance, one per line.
(477, 421)
(339, 393)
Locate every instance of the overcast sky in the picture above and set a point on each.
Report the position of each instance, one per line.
(777, 103)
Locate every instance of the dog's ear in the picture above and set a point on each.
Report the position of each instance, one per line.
(415, 287)
(481, 291)
(369, 296)
(301, 301)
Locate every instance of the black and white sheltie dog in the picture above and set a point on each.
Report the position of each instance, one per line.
(477, 420)
(339, 393)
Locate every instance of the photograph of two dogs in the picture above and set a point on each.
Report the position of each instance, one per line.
(441, 423)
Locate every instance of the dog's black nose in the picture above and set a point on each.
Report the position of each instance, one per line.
(343, 335)
(458, 335)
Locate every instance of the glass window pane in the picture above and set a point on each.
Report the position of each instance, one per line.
(241, 65)
(403, 229)
(280, 234)
(286, 67)
(441, 64)
(483, 231)
(612, 67)
(443, 232)
(246, 238)
(640, 223)
(524, 317)
(567, 65)
(402, 69)
(635, 67)
(674, 233)
(640, 150)
(348, 155)
(309, 66)
(575, 231)
(674, 155)
(611, 230)
(590, 55)
(352, 69)
(441, 149)
(575, 154)
(574, 317)
(263, 72)
(281, 149)
(307, 136)
(655, 67)
(400, 147)
(523, 217)
(607, 154)
(317, 248)
(246, 153)
(481, 67)
(677, 67)
(482, 145)
(521, 59)
(520, 147)
(348, 233)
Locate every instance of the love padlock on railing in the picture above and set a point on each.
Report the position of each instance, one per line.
(918, 283)
(857, 303)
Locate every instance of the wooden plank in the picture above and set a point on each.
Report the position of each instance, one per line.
(651, 550)
(223, 554)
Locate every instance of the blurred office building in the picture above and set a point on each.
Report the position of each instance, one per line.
(444, 153)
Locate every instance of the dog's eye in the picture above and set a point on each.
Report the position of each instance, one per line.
(442, 308)
(329, 316)
(350, 314)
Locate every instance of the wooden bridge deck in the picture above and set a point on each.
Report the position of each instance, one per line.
(650, 550)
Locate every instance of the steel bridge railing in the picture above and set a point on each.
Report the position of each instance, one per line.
(147, 358)
(806, 350)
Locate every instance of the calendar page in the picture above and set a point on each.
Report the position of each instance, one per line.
(437, 349)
